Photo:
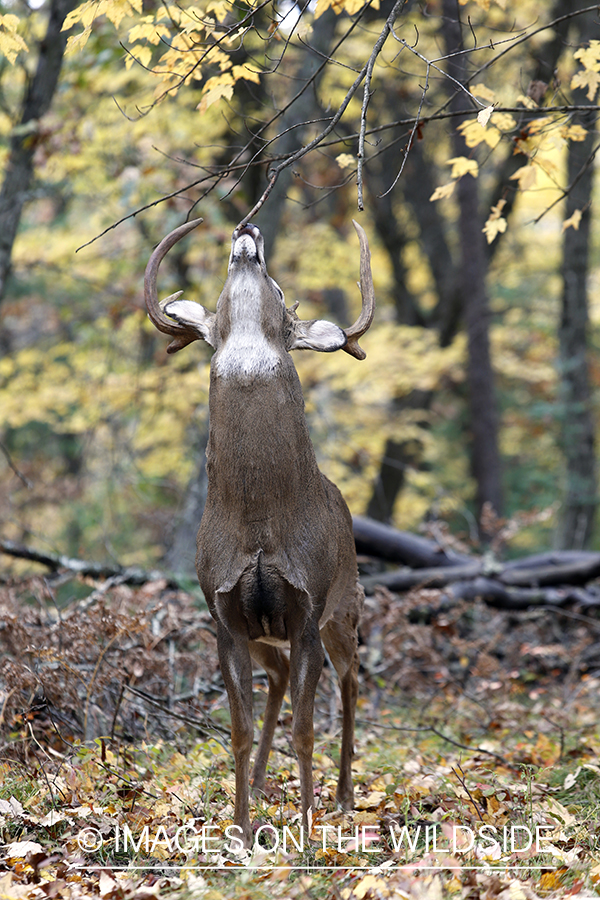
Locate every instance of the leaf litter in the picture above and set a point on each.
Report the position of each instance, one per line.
(477, 770)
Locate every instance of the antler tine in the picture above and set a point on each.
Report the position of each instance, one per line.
(363, 323)
(182, 334)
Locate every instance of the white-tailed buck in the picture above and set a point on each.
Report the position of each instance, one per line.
(276, 557)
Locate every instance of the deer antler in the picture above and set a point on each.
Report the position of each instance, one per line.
(363, 323)
(182, 333)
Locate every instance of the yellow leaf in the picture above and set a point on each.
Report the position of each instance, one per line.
(589, 79)
(504, 121)
(474, 134)
(374, 799)
(85, 14)
(546, 164)
(215, 94)
(527, 102)
(526, 176)
(346, 161)
(246, 73)
(483, 116)
(141, 55)
(575, 133)
(221, 9)
(348, 6)
(539, 125)
(480, 90)
(368, 884)
(149, 30)
(461, 165)
(496, 223)
(589, 56)
(443, 191)
(573, 221)
(11, 44)
(9, 22)
(77, 41)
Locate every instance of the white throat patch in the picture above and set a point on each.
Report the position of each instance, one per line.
(246, 352)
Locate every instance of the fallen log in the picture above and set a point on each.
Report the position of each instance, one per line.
(405, 579)
(570, 570)
(384, 542)
(56, 561)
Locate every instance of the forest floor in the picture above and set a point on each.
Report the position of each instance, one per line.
(477, 767)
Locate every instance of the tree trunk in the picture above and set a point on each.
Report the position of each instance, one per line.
(38, 97)
(294, 123)
(485, 455)
(576, 405)
(180, 557)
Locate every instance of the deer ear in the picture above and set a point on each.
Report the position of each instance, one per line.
(194, 315)
(317, 334)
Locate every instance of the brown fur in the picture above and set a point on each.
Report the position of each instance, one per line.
(276, 557)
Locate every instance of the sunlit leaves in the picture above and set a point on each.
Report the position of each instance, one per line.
(496, 223)
(475, 133)
(573, 221)
(526, 176)
(461, 165)
(574, 132)
(11, 42)
(443, 191)
(346, 161)
(480, 90)
(351, 7)
(503, 121)
(87, 13)
(84, 391)
(589, 77)
(216, 89)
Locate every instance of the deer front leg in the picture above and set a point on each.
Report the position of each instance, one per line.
(277, 667)
(236, 668)
(306, 663)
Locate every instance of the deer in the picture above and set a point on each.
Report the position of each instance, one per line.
(276, 558)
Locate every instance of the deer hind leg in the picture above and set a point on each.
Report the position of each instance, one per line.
(306, 664)
(276, 665)
(236, 668)
(341, 641)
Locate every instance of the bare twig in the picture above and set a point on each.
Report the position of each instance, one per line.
(12, 466)
(387, 30)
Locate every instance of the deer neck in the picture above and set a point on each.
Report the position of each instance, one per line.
(259, 456)
(248, 348)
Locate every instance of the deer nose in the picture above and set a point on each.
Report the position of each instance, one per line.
(250, 229)
(245, 244)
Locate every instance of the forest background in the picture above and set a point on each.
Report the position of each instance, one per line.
(465, 131)
(463, 137)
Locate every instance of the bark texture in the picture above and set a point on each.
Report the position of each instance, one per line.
(485, 454)
(576, 405)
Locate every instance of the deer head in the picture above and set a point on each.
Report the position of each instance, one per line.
(186, 321)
